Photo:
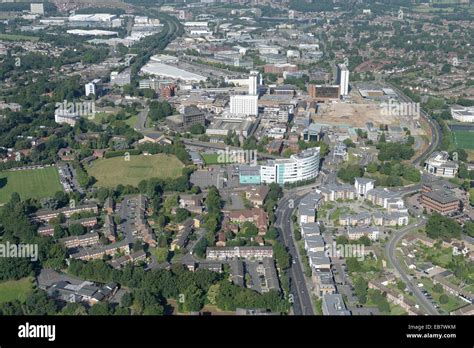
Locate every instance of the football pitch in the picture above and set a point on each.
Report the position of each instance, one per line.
(111, 172)
(30, 183)
(464, 139)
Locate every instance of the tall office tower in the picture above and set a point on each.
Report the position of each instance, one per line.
(244, 105)
(90, 89)
(253, 82)
(343, 79)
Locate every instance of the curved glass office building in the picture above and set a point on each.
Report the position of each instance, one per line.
(299, 167)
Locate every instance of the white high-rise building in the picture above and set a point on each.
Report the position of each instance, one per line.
(253, 82)
(244, 105)
(90, 88)
(343, 79)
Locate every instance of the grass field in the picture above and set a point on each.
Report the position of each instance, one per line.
(33, 183)
(11, 37)
(15, 289)
(464, 139)
(99, 116)
(211, 158)
(161, 254)
(397, 310)
(469, 288)
(104, 117)
(111, 172)
(131, 121)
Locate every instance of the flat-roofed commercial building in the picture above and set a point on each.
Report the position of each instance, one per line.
(440, 201)
(193, 115)
(463, 114)
(94, 20)
(439, 164)
(333, 304)
(280, 68)
(323, 92)
(249, 175)
(222, 127)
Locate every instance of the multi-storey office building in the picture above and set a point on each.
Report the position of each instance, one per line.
(299, 167)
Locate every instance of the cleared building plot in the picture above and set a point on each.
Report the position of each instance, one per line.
(356, 115)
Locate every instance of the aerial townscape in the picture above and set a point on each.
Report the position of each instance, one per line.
(237, 157)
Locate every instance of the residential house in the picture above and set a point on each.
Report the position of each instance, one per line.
(87, 239)
(231, 253)
(257, 194)
(258, 216)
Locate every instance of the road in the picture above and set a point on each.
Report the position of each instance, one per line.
(390, 250)
(302, 302)
(141, 121)
(301, 297)
(219, 146)
(436, 134)
(126, 212)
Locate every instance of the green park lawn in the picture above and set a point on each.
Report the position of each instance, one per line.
(16, 289)
(110, 172)
(32, 183)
